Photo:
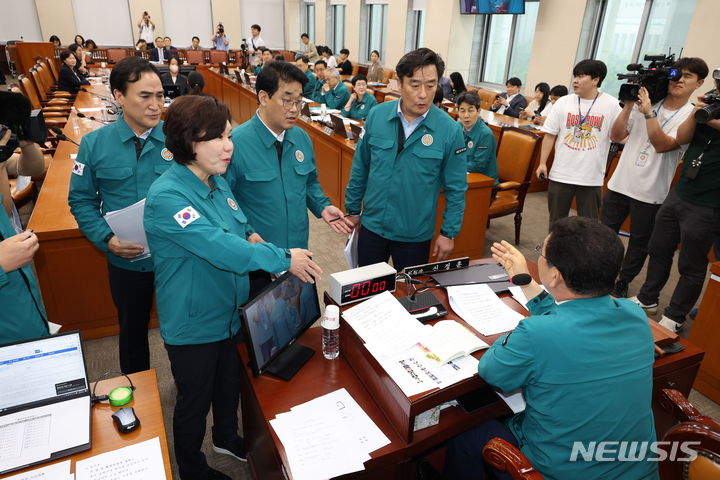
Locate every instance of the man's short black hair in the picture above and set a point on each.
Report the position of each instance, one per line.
(559, 91)
(587, 253)
(304, 59)
(358, 78)
(693, 65)
(156, 38)
(279, 58)
(129, 70)
(418, 58)
(376, 53)
(64, 55)
(167, 38)
(256, 27)
(193, 118)
(195, 38)
(264, 49)
(305, 35)
(514, 81)
(594, 68)
(471, 98)
(345, 51)
(328, 50)
(321, 62)
(270, 76)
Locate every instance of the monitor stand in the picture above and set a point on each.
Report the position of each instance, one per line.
(287, 364)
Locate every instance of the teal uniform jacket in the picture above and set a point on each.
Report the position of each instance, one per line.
(22, 314)
(317, 95)
(198, 240)
(359, 109)
(480, 153)
(336, 97)
(398, 193)
(275, 195)
(309, 88)
(585, 367)
(108, 176)
(258, 69)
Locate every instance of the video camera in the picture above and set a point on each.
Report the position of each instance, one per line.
(17, 115)
(220, 29)
(654, 78)
(244, 45)
(711, 111)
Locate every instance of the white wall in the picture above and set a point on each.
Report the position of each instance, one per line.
(107, 22)
(269, 14)
(10, 26)
(187, 18)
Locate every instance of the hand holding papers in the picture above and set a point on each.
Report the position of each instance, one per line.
(482, 309)
(127, 225)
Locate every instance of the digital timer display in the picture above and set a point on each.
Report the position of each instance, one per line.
(357, 291)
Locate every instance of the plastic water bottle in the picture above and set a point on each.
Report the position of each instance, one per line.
(331, 332)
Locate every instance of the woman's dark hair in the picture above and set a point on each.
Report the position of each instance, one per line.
(142, 40)
(193, 118)
(196, 83)
(418, 58)
(129, 70)
(55, 38)
(278, 58)
(376, 53)
(305, 35)
(270, 76)
(82, 40)
(328, 51)
(458, 83)
(559, 91)
(90, 42)
(471, 98)
(357, 78)
(587, 253)
(594, 68)
(65, 54)
(545, 89)
(174, 57)
(73, 47)
(345, 51)
(438, 98)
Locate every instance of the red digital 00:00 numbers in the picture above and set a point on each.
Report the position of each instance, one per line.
(366, 288)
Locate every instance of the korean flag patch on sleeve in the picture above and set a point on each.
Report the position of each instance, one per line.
(186, 216)
(78, 168)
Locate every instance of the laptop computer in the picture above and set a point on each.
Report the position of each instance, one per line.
(171, 90)
(44, 401)
(356, 131)
(239, 77)
(339, 125)
(305, 110)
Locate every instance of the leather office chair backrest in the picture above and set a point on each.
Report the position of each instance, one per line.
(218, 56)
(114, 55)
(195, 57)
(487, 97)
(28, 89)
(515, 154)
(39, 79)
(50, 64)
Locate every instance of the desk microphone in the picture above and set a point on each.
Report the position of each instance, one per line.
(82, 115)
(61, 136)
(104, 97)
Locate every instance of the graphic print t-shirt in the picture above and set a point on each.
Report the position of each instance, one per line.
(583, 138)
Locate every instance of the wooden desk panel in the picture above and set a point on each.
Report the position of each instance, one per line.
(26, 51)
(706, 334)
(105, 436)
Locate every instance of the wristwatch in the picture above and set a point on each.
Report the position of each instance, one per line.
(444, 234)
(108, 237)
(651, 115)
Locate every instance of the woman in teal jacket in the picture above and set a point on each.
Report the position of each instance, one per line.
(361, 102)
(203, 248)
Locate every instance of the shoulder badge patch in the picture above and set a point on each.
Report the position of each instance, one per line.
(232, 203)
(299, 156)
(78, 168)
(427, 140)
(166, 155)
(186, 216)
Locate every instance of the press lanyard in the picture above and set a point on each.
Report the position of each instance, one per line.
(657, 112)
(643, 156)
(582, 119)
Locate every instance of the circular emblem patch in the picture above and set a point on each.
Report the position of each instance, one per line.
(299, 156)
(362, 106)
(470, 143)
(232, 203)
(166, 155)
(427, 140)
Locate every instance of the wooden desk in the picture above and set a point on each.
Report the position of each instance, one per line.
(265, 397)
(105, 436)
(706, 333)
(72, 273)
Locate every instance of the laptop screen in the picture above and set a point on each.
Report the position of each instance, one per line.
(42, 371)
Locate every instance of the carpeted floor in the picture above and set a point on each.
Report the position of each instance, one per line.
(326, 246)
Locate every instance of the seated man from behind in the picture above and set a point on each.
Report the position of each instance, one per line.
(479, 139)
(583, 360)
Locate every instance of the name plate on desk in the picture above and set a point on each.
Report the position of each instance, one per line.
(305, 118)
(445, 266)
(328, 131)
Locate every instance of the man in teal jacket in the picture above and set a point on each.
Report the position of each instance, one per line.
(266, 59)
(303, 64)
(479, 139)
(114, 169)
(320, 81)
(584, 362)
(410, 150)
(361, 101)
(334, 93)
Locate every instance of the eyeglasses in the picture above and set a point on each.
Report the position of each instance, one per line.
(538, 250)
(288, 104)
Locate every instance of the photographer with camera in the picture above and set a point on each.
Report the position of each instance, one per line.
(220, 41)
(147, 27)
(648, 162)
(690, 214)
(255, 43)
(22, 315)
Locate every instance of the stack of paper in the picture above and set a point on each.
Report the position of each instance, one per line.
(58, 471)
(141, 461)
(482, 309)
(327, 437)
(127, 225)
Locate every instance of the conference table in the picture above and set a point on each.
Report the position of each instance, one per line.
(105, 437)
(356, 370)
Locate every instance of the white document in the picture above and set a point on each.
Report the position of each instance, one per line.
(350, 251)
(514, 400)
(519, 296)
(90, 109)
(127, 225)
(58, 471)
(73, 156)
(349, 121)
(141, 461)
(482, 309)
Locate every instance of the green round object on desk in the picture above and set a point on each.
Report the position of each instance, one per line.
(120, 396)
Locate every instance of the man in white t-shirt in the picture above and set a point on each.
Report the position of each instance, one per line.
(579, 127)
(648, 162)
(254, 43)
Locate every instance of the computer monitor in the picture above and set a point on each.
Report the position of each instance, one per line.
(339, 125)
(171, 90)
(274, 320)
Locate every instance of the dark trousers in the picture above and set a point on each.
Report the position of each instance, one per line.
(560, 196)
(372, 248)
(205, 375)
(696, 227)
(132, 292)
(464, 459)
(615, 209)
